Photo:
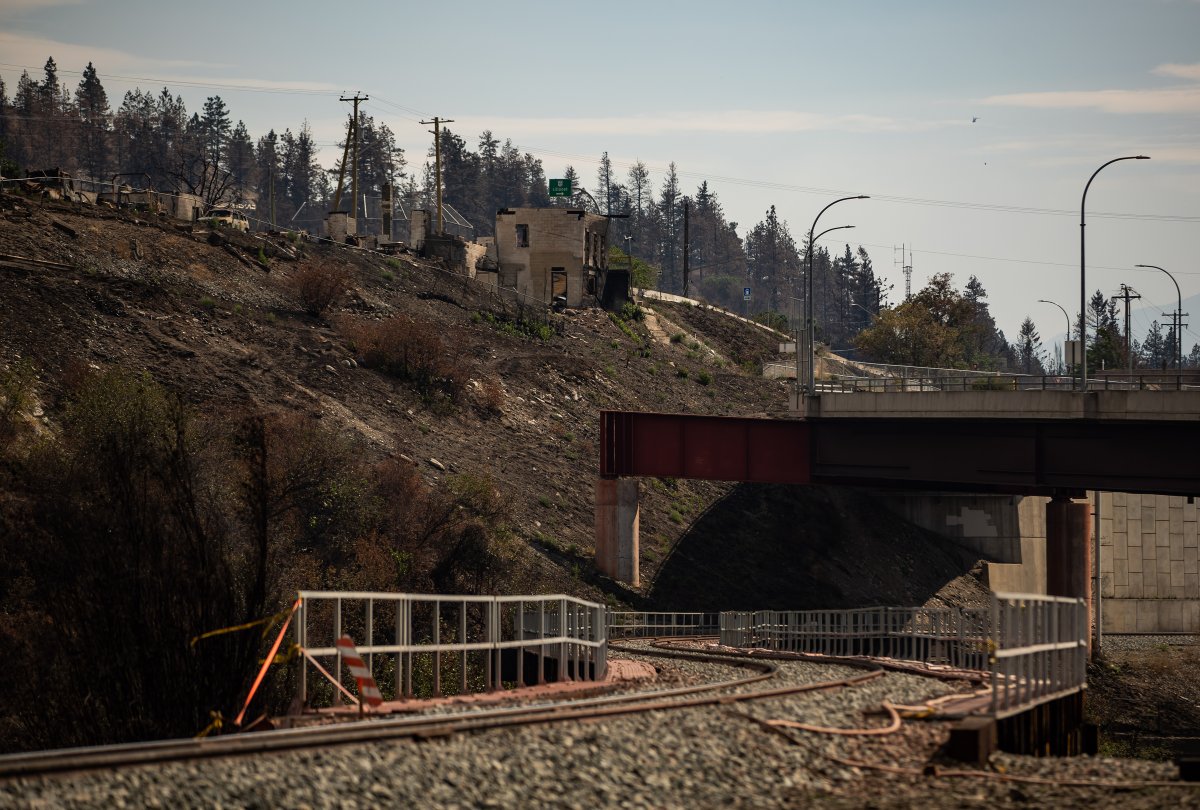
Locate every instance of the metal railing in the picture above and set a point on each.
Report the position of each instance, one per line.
(415, 643)
(1011, 382)
(1040, 650)
(947, 636)
(635, 624)
(1035, 647)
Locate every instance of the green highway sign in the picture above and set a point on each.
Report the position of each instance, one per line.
(560, 188)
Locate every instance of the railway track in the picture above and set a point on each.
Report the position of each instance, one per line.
(427, 726)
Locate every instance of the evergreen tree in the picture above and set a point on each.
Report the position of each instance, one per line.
(270, 171)
(240, 162)
(95, 118)
(1155, 352)
(4, 112)
(1029, 349)
(1106, 348)
(572, 178)
(604, 184)
(773, 261)
(670, 232)
(214, 130)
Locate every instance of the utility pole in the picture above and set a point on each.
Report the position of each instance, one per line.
(1128, 294)
(687, 244)
(1177, 347)
(272, 195)
(337, 195)
(437, 161)
(354, 166)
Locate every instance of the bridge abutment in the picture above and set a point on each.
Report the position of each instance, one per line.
(617, 518)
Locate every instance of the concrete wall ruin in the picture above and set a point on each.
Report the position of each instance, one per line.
(544, 253)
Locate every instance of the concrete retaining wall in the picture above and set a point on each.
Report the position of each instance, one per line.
(1149, 550)
(1149, 569)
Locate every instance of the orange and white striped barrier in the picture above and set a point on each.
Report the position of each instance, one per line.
(362, 676)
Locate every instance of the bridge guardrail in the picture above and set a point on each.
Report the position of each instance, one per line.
(947, 636)
(1040, 650)
(653, 624)
(1034, 647)
(1010, 382)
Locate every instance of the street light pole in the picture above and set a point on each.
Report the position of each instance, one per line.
(1083, 272)
(1178, 317)
(1068, 319)
(798, 324)
(811, 335)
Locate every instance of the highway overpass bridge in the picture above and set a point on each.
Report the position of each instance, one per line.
(1058, 444)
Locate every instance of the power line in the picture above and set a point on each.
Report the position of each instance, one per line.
(1015, 209)
(192, 83)
(727, 179)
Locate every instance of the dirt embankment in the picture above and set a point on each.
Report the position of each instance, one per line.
(217, 318)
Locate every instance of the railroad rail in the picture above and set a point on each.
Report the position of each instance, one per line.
(372, 730)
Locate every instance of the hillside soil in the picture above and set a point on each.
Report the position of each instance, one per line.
(215, 316)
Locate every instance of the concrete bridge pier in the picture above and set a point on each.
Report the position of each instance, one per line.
(617, 516)
(1068, 549)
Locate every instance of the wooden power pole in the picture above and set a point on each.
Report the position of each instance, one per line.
(354, 164)
(1127, 293)
(437, 162)
(687, 244)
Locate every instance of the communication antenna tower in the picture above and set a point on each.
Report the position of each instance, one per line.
(905, 263)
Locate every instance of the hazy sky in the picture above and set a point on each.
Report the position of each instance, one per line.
(784, 103)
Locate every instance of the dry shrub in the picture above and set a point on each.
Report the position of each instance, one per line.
(319, 287)
(141, 527)
(493, 398)
(410, 351)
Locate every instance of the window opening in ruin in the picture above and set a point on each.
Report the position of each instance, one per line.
(522, 236)
(558, 282)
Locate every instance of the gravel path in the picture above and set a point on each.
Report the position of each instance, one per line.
(691, 757)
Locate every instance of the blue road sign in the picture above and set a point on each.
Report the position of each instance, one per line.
(745, 293)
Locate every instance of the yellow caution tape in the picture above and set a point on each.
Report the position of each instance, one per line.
(293, 651)
(269, 621)
(217, 722)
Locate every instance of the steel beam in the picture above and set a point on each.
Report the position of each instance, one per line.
(1017, 456)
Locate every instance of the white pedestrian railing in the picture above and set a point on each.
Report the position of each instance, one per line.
(416, 644)
(643, 624)
(947, 636)
(1034, 647)
(1040, 650)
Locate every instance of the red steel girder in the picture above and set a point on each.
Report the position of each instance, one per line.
(716, 448)
(1018, 456)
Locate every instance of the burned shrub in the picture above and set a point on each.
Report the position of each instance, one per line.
(413, 352)
(320, 287)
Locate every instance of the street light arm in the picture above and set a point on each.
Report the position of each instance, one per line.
(1178, 309)
(1064, 312)
(809, 310)
(1093, 177)
(1083, 270)
(827, 230)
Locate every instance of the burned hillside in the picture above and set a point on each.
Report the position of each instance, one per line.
(196, 423)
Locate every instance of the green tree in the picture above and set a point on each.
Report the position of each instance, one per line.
(1029, 349)
(240, 161)
(95, 119)
(1155, 350)
(934, 328)
(1106, 347)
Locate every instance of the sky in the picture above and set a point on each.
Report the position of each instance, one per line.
(973, 126)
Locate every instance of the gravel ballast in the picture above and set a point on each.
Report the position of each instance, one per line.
(688, 757)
